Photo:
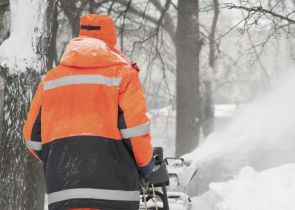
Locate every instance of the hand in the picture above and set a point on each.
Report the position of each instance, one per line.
(147, 170)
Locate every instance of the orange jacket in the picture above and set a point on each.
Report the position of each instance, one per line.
(89, 59)
(93, 99)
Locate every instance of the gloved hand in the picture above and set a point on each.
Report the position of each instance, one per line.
(146, 170)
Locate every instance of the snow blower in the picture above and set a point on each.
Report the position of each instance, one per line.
(154, 195)
(151, 197)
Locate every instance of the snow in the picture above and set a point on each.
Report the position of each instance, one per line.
(220, 110)
(166, 111)
(19, 52)
(272, 189)
(265, 123)
(164, 121)
(46, 202)
(225, 110)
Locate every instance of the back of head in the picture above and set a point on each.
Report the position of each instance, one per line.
(100, 27)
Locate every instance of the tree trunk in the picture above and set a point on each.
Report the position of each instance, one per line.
(188, 46)
(4, 20)
(20, 185)
(18, 170)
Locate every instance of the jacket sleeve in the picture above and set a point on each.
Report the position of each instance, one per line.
(32, 126)
(133, 121)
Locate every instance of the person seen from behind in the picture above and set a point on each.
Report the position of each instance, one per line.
(88, 126)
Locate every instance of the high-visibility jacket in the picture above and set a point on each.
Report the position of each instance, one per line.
(88, 125)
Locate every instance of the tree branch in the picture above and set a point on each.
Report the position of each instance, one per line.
(261, 10)
(212, 34)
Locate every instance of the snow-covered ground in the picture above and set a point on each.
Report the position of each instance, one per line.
(272, 189)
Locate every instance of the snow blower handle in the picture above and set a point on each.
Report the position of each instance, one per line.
(174, 158)
(158, 160)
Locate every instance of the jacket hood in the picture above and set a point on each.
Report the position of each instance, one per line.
(98, 26)
(90, 52)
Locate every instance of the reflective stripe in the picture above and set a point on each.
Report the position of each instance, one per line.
(35, 145)
(135, 131)
(82, 79)
(88, 193)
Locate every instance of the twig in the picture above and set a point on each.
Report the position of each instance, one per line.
(261, 10)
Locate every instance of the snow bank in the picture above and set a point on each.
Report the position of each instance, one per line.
(272, 189)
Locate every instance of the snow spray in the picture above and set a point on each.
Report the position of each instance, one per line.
(270, 120)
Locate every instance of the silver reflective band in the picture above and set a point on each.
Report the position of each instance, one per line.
(88, 193)
(82, 79)
(35, 145)
(135, 131)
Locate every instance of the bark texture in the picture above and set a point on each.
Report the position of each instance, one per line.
(21, 181)
(4, 20)
(18, 169)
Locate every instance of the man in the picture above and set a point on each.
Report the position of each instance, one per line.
(87, 124)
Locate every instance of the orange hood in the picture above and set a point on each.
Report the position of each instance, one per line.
(90, 52)
(99, 27)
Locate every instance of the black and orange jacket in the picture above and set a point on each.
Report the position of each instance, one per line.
(87, 123)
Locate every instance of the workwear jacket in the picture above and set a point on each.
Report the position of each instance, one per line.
(87, 124)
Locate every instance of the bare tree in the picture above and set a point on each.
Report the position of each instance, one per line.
(277, 16)
(21, 184)
(212, 51)
(188, 47)
(73, 10)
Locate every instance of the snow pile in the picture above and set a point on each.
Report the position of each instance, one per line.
(272, 189)
(19, 52)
